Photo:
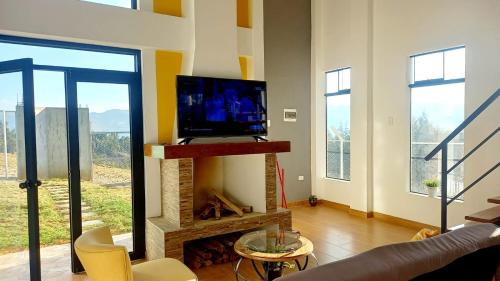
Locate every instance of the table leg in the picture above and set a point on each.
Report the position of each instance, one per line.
(237, 268)
(300, 267)
(258, 271)
(315, 259)
(273, 270)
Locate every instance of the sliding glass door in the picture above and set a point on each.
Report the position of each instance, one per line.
(72, 120)
(19, 225)
(105, 122)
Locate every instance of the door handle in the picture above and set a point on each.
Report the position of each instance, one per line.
(28, 184)
(23, 185)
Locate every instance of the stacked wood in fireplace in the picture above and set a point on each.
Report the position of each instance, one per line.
(208, 251)
(219, 205)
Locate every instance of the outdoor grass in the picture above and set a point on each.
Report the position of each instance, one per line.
(12, 163)
(108, 175)
(14, 219)
(111, 205)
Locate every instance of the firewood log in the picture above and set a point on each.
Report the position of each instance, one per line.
(218, 244)
(228, 202)
(199, 252)
(214, 246)
(188, 256)
(206, 213)
(227, 241)
(193, 264)
(217, 208)
(246, 209)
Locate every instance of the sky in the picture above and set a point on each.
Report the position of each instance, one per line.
(443, 104)
(49, 85)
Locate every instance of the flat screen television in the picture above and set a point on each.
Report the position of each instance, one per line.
(217, 107)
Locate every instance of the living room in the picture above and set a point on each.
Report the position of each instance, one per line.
(118, 120)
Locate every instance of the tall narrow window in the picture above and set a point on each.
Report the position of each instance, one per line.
(338, 124)
(437, 107)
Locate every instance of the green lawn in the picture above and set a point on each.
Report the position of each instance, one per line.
(111, 205)
(14, 219)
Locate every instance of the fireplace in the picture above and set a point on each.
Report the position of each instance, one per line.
(245, 173)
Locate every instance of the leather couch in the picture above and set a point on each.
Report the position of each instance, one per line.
(471, 253)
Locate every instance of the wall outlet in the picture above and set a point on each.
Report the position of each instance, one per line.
(268, 123)
(301, 178)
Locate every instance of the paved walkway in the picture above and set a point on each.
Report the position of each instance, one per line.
(56, 262)
(60, 195)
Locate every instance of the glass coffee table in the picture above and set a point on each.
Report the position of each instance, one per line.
(274, 250)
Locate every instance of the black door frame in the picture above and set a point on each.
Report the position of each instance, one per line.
(25, 66)
(72, 77)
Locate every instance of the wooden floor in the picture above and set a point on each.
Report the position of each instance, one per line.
(336, 235)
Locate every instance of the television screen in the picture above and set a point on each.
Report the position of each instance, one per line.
(215, 107)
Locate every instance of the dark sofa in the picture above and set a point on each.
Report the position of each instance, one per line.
(471, 253)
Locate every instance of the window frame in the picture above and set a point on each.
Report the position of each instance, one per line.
(436, 81)
(428, 83)
(333, 94)
(133, 4)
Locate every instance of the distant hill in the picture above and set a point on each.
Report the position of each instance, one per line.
(115, 120)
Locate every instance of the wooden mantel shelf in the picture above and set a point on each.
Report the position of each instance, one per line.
(162, 151)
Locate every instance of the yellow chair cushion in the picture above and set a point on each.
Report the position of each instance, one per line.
(162, 270)
(104, 261)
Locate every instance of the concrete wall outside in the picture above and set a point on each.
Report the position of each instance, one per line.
(51, 143)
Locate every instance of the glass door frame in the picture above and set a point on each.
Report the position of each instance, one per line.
(73, 77)
(31, 183)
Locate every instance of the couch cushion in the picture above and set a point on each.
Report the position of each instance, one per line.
(405, 261)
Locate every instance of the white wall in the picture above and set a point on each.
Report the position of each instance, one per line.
(86, 22)
(400, 29)
(341, 39)
(403, 28)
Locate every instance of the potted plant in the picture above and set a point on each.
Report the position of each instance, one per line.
(313, 200)
(432, 185)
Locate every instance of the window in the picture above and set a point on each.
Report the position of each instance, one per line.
(437, 108)
(68, 57)
(131, 4)
(338, 124)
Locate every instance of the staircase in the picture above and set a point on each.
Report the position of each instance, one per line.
(490, 215)
(60, 195)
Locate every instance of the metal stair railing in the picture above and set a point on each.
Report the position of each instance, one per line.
(443, 147)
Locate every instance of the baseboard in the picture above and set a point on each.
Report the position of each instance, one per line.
(403, 222)
(297, 203)
(360, 214)
(379, 216)
(334, 205)
(346, 208)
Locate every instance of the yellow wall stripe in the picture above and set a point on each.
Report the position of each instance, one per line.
(168, 7)
(244, 13)
(168, 66)
(244, 67)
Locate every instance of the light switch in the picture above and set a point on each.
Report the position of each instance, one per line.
(301, 178)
